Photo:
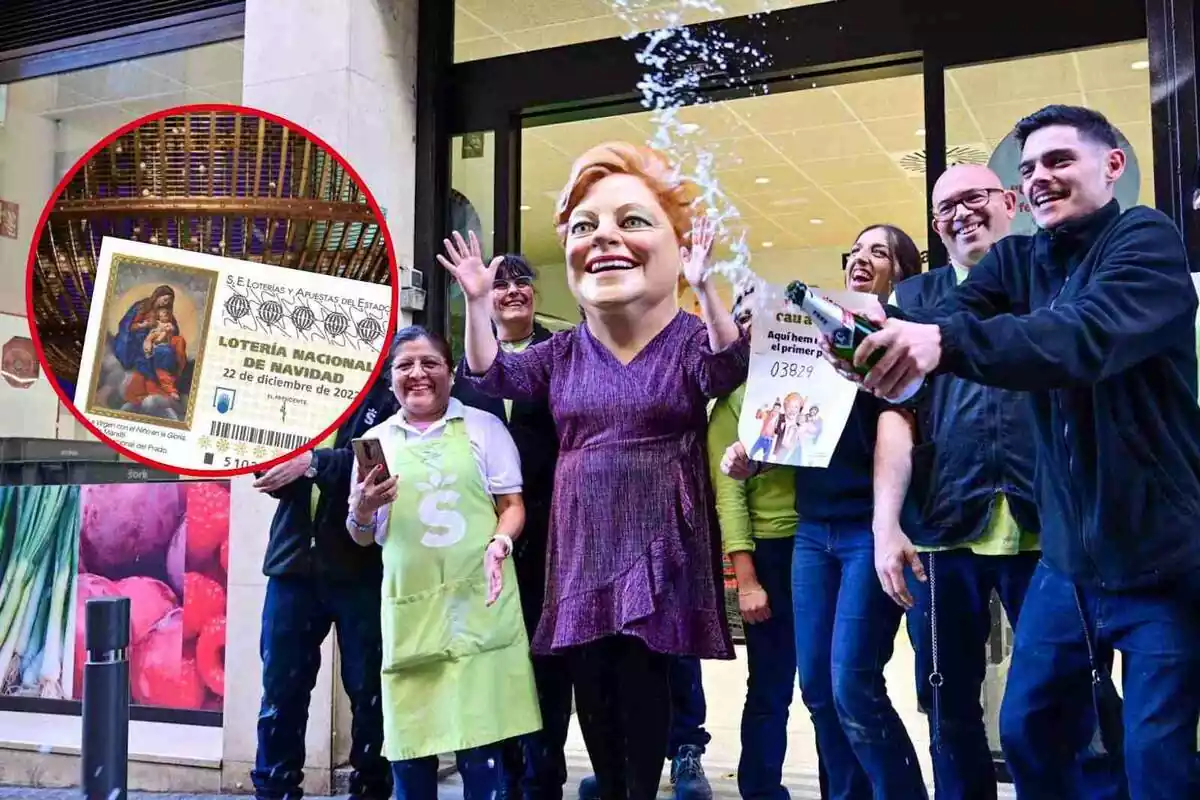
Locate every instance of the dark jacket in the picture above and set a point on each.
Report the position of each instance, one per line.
(973, 442)
(301, 547)
(532, 428)
(1096, 318)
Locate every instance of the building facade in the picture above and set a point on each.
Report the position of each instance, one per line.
(466, 115)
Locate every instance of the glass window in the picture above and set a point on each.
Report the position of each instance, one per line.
(472, 206)
(806, 171)
(485, 28)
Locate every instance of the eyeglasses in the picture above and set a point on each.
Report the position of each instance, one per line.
(972, 201)
(429, 365)
(523, 282)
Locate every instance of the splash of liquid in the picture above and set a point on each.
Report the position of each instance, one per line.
(679, 61)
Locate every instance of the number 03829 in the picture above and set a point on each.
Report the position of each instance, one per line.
(790, 369)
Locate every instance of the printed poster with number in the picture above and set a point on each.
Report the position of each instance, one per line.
(212, 363)
(796, 404)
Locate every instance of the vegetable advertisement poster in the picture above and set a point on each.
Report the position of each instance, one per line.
(163, 545)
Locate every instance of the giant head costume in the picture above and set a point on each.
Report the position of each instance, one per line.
(622, 218)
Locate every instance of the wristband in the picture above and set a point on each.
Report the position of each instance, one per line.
(505, 540)
(359, 527)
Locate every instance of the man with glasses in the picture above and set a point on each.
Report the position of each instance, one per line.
(535, 768)
(967, 456)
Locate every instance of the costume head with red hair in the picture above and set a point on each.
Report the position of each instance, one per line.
(624, 218)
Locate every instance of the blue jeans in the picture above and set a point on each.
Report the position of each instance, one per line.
(962, 758)
(771, 662)
(688, 707)
(297, 615)
(1047, 717)
(845, 633)
(479, 767)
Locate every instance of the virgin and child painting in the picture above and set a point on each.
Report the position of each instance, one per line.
(155, 323)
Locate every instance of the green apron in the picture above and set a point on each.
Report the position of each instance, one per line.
(456, 673)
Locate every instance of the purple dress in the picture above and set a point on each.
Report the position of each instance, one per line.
(634, 547)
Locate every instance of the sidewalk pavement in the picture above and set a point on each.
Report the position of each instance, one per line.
(802, 785)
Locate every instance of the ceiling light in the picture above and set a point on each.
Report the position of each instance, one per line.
(526, 208)
(816, 221)
(1140, 65)
(761, 181)
(919, 132)
(768, 244)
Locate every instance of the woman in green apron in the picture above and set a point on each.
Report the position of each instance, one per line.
(456, 670)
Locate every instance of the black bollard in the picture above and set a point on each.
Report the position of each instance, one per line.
(105, 753)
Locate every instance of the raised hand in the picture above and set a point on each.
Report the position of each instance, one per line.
(464, 260)
(696, 259)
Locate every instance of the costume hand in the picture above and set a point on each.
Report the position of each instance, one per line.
(913, 351)
(374, 494)
(464, 260)
(696, 260)
(893, 552)
(281, 475)
(754, 604)
(493, 565)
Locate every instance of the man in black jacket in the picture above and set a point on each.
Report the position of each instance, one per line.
(318, 578)
(535, 768)
(966, 459)
(1095, 316)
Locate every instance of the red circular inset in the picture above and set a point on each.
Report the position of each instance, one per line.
(180, 159)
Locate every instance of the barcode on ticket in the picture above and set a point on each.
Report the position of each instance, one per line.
(246, 433)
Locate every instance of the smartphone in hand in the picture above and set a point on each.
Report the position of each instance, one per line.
(369, 453)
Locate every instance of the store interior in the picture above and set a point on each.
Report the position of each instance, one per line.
(807, 170)
(484, 29)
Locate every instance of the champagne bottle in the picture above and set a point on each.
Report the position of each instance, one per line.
(845, 331)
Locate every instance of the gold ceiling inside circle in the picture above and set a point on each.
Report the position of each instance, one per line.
(219, 182)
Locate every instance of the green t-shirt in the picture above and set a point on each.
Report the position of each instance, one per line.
(763, 507)
(1001, 536)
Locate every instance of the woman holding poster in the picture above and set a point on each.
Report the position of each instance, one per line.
(845, 625)
(634, 562)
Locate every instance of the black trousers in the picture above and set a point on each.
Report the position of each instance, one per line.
(534, 767)
(623, 699)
